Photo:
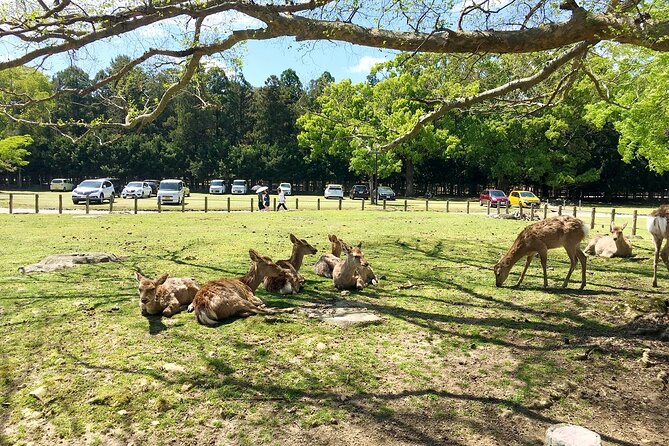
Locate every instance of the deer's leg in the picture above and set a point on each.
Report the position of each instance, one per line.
(571, 252)
(664, 254)
(581, 256)
(527, 265)
(543, 256)
(658, 244)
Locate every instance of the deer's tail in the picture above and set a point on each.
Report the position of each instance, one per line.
(657, 226)
(204, 314)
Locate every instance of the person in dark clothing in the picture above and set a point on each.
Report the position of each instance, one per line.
(265, 199)
(261, 206)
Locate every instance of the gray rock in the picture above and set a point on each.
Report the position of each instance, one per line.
(60, 261)
(354, 319)
(571, 435)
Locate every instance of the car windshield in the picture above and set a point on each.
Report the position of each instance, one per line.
(528, 195)
(57, 181)
(284, 185)
(169, 186)
(334, 187)
(497, 193)
(90, 183)
(217, 183)
(134, 184)
(360, 188)
(239, 183)
(385, 190)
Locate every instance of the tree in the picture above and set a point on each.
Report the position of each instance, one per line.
(13, 152)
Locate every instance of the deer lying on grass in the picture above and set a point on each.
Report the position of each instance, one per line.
(223, 298)
(354, 272)
(327, 262)
(290, 281)
(614, 245)
(165, 296)
(657, 226)
(538, 238)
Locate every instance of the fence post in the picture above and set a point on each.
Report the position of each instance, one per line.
(520, 205)
(297, 203)
(427, 206)
(134, 209)
(560, 210)
(448, 203)
(405, 205)
(340, 200)
(228, 204)
(60, 203)
(507, 207)
(634, 216)
(574, 211)
(592, 219)
(545, 211)
(318, 204)
(251, 204)
(613, 214)
(363, 204)
(468, 206)
(488, 211)
(88, 203)
(497, 208)
(274, 203)
(160, 206)
(206, 204)
(183, 204)
(37, 203)
(11, 203)
(111, 204)
(532, 213)
(384, 204)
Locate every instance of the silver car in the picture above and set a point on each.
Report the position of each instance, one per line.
(136, 189)
(95, 190)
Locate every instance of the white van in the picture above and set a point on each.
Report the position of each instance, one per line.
(239, 187)
(61, 184)
(217, 187)
(171, 191)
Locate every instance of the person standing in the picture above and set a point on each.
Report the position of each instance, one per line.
(282, 200)
(260, 195)
(265, 200)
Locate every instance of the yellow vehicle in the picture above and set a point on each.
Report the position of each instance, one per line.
(527, 198)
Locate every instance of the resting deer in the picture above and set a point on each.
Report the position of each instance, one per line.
(165, 296)
(657, 226)
(614, 245)
(347, 273)
(290, 281)
(223, 298)
(538, 238)
(327, 262)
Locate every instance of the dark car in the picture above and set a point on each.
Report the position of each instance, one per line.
(496, 198)
(385, 193)
(153, 184)
(359, 191)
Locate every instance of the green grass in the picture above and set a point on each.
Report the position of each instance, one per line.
(453, 346)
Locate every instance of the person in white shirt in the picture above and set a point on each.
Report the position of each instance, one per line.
(282, 200)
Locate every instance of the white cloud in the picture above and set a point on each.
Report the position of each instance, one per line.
(209, 62)
(152, 31)
(365, 64)
(232, 20)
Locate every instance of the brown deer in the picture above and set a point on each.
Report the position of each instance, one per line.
(327, 262)
(538, 238)
(166, 296)
(346, 274)
(614, 245)
(290, 281)
(657, 226)
(224, 298)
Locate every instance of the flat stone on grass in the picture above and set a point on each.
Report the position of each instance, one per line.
(354, 319)
(571, 435)
(60, 261)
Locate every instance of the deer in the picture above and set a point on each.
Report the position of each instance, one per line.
(614, 245)
(346, 274)
(165, 295)
(327, 262)
(538, 238)
(220, 299)
(657, 226)
(290, 281)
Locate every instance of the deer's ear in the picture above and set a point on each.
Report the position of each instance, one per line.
(293, 238)
(138, 276)
(254, 255)
(162, 279)
(359, 245)
(612, 225)
(346, 248)
(332, 238)
(623, 227)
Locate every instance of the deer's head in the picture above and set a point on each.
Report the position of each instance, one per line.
(302, 245)
(502, 269)
(617, 231)
(147, 287)
(336, 245)
(264, 266)
(355, 255)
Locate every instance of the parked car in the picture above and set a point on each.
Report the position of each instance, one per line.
(139, 189)
(153, 184)
(359, 191)
(117, 185)
(334, 191)
(239, 187)
(97, 191)
(495, 197)
(527, 198)
(171, 191)
(287, 188)
(385, 193)
(217, 187)
(61, 184)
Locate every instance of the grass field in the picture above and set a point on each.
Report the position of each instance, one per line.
(457, 360)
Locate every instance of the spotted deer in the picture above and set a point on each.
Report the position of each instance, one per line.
(327, 262)
(555, 232)
(614, 245)
(346, 274)
(166, 296)
(223, 298)
(290, 281)
(658, 228)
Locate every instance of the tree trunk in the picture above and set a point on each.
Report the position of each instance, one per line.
(408, 164)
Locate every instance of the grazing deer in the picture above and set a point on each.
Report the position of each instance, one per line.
(346, 274)
(165, 296)
(327, 262)
(290, 281)
(538, 238)
(614, 245)
(657, 226)
(223, 298)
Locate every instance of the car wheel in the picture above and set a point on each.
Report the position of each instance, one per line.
(75, 201)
